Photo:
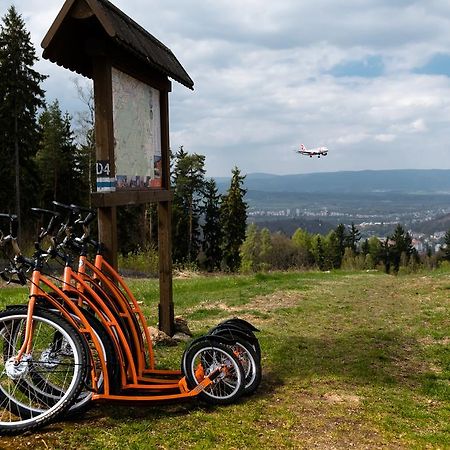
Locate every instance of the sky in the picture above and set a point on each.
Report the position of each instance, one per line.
(369, 79)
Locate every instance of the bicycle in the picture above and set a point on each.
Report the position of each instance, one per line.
(98, 310)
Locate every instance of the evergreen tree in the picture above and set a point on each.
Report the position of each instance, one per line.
(385, 255)
(188, 186)
(341, 237)
(401, 243)
(446, 247)
(353, 238)
(318, 252)
(131, 229)
(233, 218)
(212, 232)
(365, 248)
(58, 160)
(21, 96)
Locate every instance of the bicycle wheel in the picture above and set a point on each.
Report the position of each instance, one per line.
(250, 363)
(232, 332)
(241, 323)
(205, 358)
(22, 407)
(49, 393)
(83, 402)
(241, 345)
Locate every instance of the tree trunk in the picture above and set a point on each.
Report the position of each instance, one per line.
(17, 169)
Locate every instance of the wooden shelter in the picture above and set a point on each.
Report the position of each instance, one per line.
(130, 69)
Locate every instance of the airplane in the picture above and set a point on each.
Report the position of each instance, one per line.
(319, 151)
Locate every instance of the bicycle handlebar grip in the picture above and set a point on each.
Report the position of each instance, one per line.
(89, 218)
(52, 222)
(46, 211)
(8, 216)
(82, 208)
(61, 205)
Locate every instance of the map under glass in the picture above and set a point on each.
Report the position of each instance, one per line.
(137, 133)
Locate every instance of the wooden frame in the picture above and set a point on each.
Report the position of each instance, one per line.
(91, 37)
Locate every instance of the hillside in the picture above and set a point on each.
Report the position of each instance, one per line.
(374, 199)
(406, 181)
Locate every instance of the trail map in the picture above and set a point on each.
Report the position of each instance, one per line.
(137, 133)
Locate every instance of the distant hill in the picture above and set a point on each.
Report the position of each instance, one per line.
(370, 181)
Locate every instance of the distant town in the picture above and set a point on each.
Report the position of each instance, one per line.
(368, 224)
(418, 200)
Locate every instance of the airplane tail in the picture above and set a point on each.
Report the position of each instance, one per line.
(303, 147)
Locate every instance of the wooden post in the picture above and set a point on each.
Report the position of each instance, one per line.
(104, 142)
(166, 310)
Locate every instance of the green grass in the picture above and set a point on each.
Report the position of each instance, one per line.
(350, 360)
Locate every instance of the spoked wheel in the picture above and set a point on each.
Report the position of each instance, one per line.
(213, 359)
(250, 363)
(49, 393)
(58, 359)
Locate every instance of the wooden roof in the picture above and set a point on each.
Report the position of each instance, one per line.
(83, 28)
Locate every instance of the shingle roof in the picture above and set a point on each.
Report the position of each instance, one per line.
(120, 29)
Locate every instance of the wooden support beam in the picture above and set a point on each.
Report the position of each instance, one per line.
(166, 310)
(129, 197)
(107, 233)
(104, 143)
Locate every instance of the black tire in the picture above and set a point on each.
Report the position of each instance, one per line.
(50, 394)
(24, 411)
(241, 323)
(233, 332)
(206, 357)
(83, 401)
(250, 363)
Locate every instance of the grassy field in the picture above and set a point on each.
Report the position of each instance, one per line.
(350, 360)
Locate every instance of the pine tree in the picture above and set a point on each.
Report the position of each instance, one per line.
(212, 232)
(58, 160)
(341, 237)
(365, 248)
(446, 246)
(233, 218)
(353, 238)
(188, 186)
(385, 255)
(401, 243)
(320, 254)
(21, 96)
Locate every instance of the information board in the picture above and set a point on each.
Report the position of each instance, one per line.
(137, 136)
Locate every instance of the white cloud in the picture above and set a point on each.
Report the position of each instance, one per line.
(264, 84)
(385, 137)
